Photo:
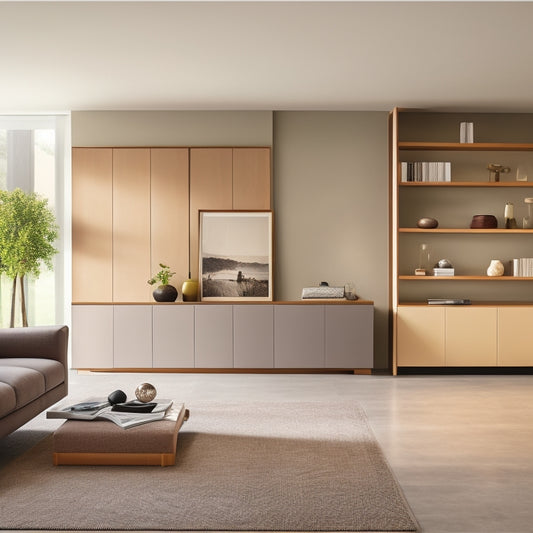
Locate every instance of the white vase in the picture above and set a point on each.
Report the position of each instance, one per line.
(495, 268)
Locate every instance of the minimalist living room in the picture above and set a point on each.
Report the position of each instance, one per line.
(295, 238)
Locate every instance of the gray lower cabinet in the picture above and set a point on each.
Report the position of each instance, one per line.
(222, 336)
(173, 336)
(213, 334)
(299, 336)
(132, 339)
(253, 336)
(349, 336)
(92, 336)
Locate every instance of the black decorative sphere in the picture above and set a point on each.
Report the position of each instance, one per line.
(165, 293)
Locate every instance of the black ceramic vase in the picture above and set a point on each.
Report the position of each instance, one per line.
(165, 293)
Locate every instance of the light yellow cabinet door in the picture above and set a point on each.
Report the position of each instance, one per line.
(420, 340)
(515, 336)
(92, 225)
(169, 199)
(471, 334)
(251, 178)
(131, 225)
(211, 188)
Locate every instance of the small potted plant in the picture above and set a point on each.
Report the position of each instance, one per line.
(164, 292)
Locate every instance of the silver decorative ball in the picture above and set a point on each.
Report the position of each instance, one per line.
(145, 392)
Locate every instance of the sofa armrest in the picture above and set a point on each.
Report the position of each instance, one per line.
(48, 342)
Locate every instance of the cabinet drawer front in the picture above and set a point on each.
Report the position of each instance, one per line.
(299, 336)
(471, 334)
(420, 340)
(515, 336)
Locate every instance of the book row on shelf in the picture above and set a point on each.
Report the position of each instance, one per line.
(523, 267)
(426, 171)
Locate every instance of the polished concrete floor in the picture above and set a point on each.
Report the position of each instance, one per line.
(460, 446)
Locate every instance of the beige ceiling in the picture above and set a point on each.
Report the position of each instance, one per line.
(59, 56)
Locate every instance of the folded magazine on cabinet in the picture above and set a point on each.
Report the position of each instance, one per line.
(102, 410)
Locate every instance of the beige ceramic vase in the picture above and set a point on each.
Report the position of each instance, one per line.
(495, 268)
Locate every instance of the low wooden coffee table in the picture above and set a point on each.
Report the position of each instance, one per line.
(101, 442)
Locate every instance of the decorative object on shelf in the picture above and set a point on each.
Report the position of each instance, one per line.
(323, 291)
(495, 268)
(349, 291)
(521, 173)
(497, 169)
(443, 267)
(164, 292)
(235, 255)
(427, 223)
(527, 222)
(145, 392)
(510, 221)
(484, 222)
(466, 132)
(189, 290)
(423, 260)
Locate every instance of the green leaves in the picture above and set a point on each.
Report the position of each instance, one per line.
(162, 276)
(27, 233)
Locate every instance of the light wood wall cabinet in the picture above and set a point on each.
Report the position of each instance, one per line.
(224, 336)
(131, 224)
(92, 225)
(419, 139)
(134, 208)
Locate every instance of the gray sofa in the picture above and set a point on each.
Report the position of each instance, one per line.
(33, 373)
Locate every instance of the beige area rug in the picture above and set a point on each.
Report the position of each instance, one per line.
(240, 467)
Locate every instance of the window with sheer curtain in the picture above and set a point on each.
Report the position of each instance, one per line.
(35, 157)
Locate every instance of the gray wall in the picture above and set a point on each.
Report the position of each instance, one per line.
(330, 180)
(331, 207)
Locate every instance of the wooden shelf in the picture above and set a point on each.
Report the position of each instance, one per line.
(466, 230)
(490, 184)
(473, 304)
(465, 278)
(466, 147)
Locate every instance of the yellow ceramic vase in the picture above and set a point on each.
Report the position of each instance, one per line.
(189, 290)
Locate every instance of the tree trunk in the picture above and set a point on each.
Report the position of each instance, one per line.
(23, 303)
(13, 295)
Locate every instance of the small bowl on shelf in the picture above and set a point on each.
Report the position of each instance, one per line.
(484, 222)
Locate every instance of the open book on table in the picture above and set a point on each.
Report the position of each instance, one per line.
(102, 410)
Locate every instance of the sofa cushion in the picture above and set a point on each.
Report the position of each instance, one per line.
(8, 399)
(52, 371)
(27, 383)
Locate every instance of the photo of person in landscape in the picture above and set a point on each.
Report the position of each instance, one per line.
(236, 255)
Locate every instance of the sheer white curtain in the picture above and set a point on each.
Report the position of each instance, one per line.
(35, 157)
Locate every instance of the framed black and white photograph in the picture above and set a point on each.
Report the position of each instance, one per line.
(235, 255)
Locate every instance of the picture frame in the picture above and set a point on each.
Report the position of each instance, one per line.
(236, 255)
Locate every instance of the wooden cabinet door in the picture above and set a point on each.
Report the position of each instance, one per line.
(210, 188)
(299, 336)
(213, 336)
(420, 336)
(349, 336)
(251, 178)
(132, 333)
(169, 213)
(173, 336)
(515, 336)
(92, 336)
(131, 225)
(471, 334)
(253, 336)
(92, 225)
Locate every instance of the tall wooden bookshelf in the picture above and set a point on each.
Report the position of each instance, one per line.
(495, 330)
